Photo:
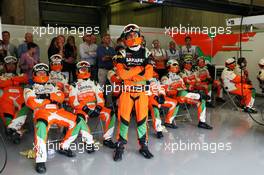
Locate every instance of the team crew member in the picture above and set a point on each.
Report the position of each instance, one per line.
(87, 100)
(57, 77)
(260, 76)
(236, 84)
(135, 70)
(206, 83)
(176, 89)
(12, 106)
(157, 100)
(45, 99)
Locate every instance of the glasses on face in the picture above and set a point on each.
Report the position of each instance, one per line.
(84, 69)
(41, 73)
(132, 35)
(56, 63)
(131, 28)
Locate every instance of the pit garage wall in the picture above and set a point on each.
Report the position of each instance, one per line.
(256, 44)
(253, 52)
(254, 49)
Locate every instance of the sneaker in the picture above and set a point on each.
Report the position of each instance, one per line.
(204, 125)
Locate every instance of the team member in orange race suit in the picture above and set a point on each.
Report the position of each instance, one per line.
(45, 99)
(135, 69)
(87, 100)
(57, 77)
(157, 100)
(237, 85)
(206, 83)
(12, 106)
(175, 88)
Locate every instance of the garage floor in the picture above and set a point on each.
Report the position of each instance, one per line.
(232, 130)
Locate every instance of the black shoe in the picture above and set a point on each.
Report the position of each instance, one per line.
(40, 167)
(250, 110)
(118, 152)
(9, 132)
(89, 148)
(16, 138)
(109, 143)
(67, 152)
(144, 151)
(171, 125)
(220, 100)
(159, 134)
(210, 105)
(204, 125)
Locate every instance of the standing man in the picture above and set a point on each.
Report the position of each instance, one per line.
(105, 54)
(172, 52)
(10, 48)
(160, 57)
(188, 49)
(88, 53)
(135, 70)
(22, 48)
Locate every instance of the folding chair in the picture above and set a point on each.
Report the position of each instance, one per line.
(187, 113)
(231, 99)
(99, 128)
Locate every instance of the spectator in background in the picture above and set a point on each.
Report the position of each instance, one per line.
(57, 46)
(3, 54)
(29, 59)
(88, 53)
(105, 54)
(94, 39)
(6, 45)
(189, 49)
(69, 63)
(22, 48)
(144, 42)
(172, 52)
(119, 44)
(160, 57)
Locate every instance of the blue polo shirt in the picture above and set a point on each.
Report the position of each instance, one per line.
(103, 51)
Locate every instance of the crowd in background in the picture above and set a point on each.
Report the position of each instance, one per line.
(98, 55)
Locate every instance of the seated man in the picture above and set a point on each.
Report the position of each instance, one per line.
(175, 88)
(12, 105)
(45, 99)
(57, 78)
(235, 84)
(206, 83)
(157, 100)
(87, 100)
(260, 76)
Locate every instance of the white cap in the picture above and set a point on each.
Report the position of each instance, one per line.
(261, 62)
(230, 61)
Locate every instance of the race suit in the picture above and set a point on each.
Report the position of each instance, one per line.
(175, 88)
(45, 100)
(232, 83)
(87, 94)
(135, 70)
(12, 106)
